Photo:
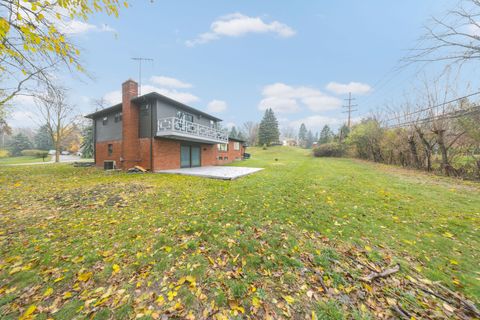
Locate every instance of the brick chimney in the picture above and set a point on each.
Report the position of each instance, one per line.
(130, 114)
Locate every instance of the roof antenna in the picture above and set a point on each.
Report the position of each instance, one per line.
(140, 59)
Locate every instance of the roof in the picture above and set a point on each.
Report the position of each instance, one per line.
(152, 95)
(99, 113)
(237, 139)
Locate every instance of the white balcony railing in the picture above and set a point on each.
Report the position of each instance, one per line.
(185, 129)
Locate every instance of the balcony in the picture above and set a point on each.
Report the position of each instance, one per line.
(175, 128)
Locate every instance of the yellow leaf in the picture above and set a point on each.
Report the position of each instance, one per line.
(448, 234)
(48, 292)
(171, 295)
(368, 248)
(84, 276)
(256, 302)
(67, 295)
(78, 259)
(160, 300)
(28, 312)
(453, 261)
(289, 299)
(168, 249)
(314, 315)
(116, 268)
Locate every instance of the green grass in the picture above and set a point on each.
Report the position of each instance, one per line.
(221, 249)
(22, 159)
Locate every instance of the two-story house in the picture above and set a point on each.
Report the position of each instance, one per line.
(159, 133)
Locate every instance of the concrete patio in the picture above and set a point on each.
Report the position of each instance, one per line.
(214, 172)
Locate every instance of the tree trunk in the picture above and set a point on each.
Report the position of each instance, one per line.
(413, 150)
(445, 165)
(427, 147)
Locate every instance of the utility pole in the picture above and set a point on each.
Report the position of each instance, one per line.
(349, 108)
(140, 59)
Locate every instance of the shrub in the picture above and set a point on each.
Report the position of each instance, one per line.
(35, 153)
(333, 149)
(4, 153)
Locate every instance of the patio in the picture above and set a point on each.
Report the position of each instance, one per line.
(214, 172)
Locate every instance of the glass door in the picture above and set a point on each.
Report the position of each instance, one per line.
(195, 156)
(185, 156)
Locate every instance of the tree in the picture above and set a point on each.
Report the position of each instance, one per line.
(310, 139)
(268, 132)
(366, 137)
(343, 132)
(302, 135)
(57, 114)
(326, 135)
(87, 141)
(233, 133)
(453, 38)
(19, 143)
(43, 139)
(34, 40)
(251, 131)
(4, 130)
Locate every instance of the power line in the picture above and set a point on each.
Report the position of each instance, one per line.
(140, 59)
(349, 108)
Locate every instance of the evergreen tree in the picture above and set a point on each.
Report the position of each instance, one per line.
(310, 139)
(233, 133)
(18, 143)
(241, 136)
(268, 132)
(43, 139)
(87, 142)
(302, 135)
(326, 135)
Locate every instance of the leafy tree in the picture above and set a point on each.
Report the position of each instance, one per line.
(326, 135)
(34, 39)
(268, 132)
(87, 143)
(343, 132)
(366, 137)
(302, 135)
(233, 133)
(43, 140)
(19, 143)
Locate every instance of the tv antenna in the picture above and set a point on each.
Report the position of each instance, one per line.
(140, 59)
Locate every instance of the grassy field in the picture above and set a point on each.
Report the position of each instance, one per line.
(296, 240)
(22, 159)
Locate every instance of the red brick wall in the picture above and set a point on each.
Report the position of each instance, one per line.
(209, 155)
(166, 154)
(131, 148)
(231, 154)
(101, 152)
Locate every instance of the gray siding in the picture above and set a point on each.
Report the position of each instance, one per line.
(111, 131)
(165, 110)
(145, 128)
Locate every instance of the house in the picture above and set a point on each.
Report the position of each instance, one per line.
(159, 133)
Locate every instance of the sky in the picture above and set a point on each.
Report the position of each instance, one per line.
(235, 58)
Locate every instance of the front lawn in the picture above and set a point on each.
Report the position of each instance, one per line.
(22, 159)
(295, 240)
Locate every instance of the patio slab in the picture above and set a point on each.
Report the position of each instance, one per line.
(214, 172)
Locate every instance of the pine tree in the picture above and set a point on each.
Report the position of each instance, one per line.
(87, 142)
(233, 133)
(268, 132)
(302, 135)
(326, 135)
(19, 143)
(43, 139)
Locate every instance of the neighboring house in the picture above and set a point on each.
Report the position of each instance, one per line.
(159, 133)
(289, 142)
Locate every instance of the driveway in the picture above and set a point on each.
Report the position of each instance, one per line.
(214, 172)
(63, 159)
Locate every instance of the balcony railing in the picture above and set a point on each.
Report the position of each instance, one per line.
(185, 129)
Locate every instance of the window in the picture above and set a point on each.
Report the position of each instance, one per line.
(223, 147)
(105, 121)
(145, 110)
(236, 146)
(110, 149)
(118, 117)
(212, 124)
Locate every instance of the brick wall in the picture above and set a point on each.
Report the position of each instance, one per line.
(209, 155)
(166, 154)
(101, 152)
(231, 154)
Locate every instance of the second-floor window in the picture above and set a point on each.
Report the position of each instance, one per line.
(145, 110)
(118, 117)
(105, 121)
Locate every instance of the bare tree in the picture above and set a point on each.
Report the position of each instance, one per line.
(57, 114)
(454, 39)
(251, 130)
(288, 132)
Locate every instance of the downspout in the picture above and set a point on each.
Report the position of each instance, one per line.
(151, 137)
(95, 141)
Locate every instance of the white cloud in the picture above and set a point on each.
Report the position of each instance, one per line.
(75, 27)
(316, 122)
(169, 82)
(237, 25)
(115, 97)
(353, 87)
(283, 98)
(216, 106)
(21, 119)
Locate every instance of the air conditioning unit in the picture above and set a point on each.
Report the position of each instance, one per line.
(109, 165)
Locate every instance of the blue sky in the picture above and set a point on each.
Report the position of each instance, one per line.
(234, 58)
